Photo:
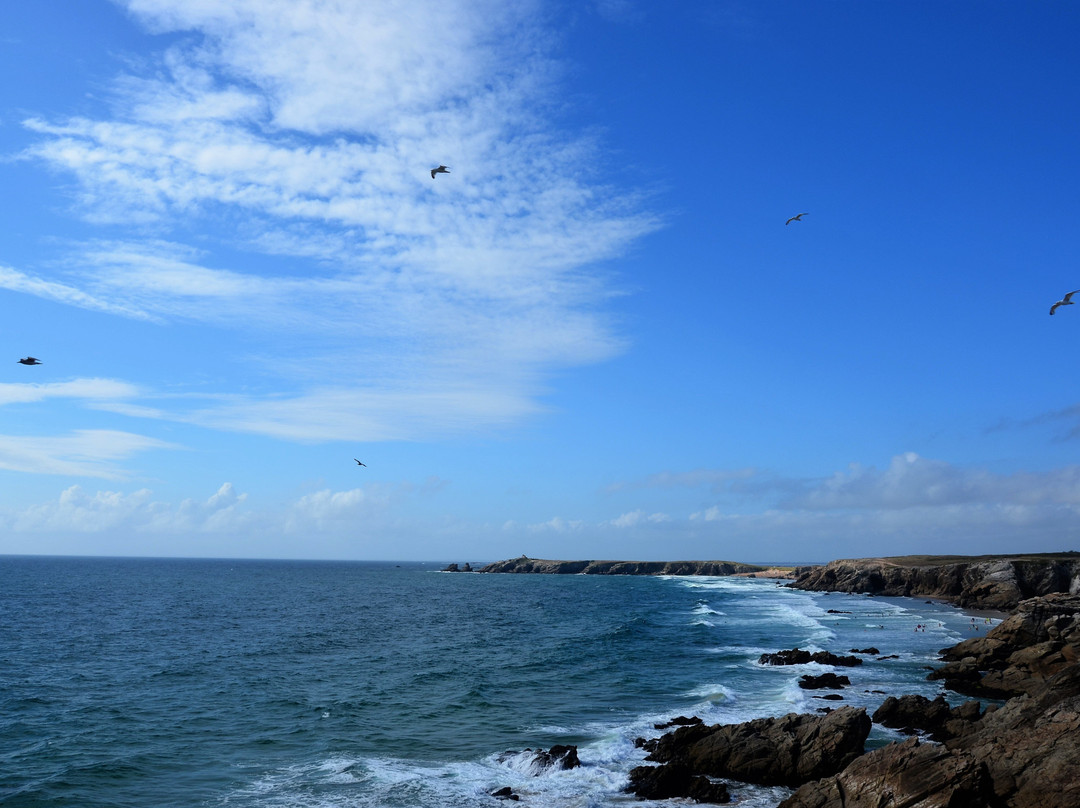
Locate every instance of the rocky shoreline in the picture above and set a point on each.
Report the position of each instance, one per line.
(1022, 754)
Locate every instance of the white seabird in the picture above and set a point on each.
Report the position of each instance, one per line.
(1065, 301)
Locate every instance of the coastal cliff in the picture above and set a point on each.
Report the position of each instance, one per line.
(973, 582)
(524, 564)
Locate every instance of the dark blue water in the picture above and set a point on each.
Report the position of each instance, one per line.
(127, 682)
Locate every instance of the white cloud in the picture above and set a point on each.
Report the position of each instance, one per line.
(84, 453)
(557, 525)
(911, 481)
(77, 511)
(309, 127)
(632, 518)
(89, 389)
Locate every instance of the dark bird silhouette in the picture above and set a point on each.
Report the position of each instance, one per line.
(797, 218)
(359, 463)
(1065, 301)
(439, 170)
(30, 361)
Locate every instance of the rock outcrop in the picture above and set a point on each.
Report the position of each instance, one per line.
(789, 750)
(936, 718)
(901, 775)
(523, 564)
(981, 582)
(1019, 654)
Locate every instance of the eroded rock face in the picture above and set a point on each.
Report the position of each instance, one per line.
(1018, 655)
(1031, 745)
(901, 775)
(982, 583)
(789, 750)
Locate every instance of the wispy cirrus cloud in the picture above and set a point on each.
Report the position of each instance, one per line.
(306, 131)
(86, 389)
(83, 453)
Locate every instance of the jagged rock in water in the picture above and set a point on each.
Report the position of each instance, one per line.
(828, 681)
(675, 780)
(797, 656)
(679, 721)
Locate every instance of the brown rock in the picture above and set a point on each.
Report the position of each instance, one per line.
(675, 780)
(789, 750)
(901, 775)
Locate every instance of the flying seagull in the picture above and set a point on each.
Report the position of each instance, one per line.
(359, 463)
(439, 170)
(30, 361)
(1065, 301)
(795, 218)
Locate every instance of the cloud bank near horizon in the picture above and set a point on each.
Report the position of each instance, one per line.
(914, 503)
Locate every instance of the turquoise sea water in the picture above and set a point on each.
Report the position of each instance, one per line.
(127, 682)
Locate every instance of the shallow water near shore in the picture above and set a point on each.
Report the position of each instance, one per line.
(128, 682)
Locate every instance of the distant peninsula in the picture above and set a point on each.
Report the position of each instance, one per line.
(997, 582)
(524, 564)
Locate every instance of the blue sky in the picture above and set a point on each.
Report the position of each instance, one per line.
(596, 336)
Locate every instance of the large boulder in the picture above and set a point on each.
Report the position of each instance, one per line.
(789, 750)
(919, 714)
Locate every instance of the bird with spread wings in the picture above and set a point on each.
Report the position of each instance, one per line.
(1065, 301)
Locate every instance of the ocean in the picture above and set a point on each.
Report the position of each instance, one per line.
(150, 682)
